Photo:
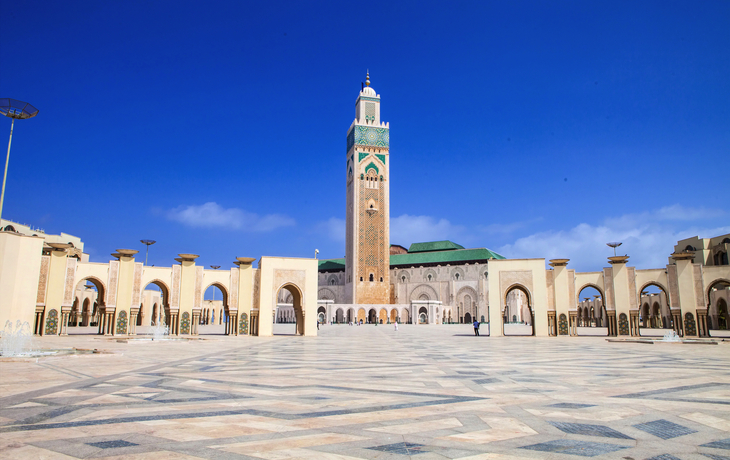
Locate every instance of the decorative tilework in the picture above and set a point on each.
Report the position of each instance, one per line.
(486, 381)
(716, 457)
(185, 323)
(589, 430)
(623, 324)
(362, 155)
(68, 294)
(723, 444)
(122, 322)
(371, 99)
(664, 429)
(689, 324)
(371, 166)
(52, 322)
(370, 111)
(243, 324)
(111, 444)
(380, 157)
(403, 448)
(571, 447)
(571, 405)
(376, 137)
(563, 325)
(43, 280)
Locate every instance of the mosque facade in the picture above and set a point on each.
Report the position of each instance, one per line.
(47, 280)
(441, 282)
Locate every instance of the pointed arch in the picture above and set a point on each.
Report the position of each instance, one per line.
(421, 290)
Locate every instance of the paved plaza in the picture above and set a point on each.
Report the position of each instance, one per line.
(426, 392)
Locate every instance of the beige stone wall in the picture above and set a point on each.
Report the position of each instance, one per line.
(300, 275)
(20, 268)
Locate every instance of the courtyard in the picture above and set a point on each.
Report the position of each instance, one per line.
(427, 392)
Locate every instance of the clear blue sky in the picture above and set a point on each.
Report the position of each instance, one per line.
(536, 129)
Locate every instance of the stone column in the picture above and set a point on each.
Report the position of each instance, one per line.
(634, 323)
(611, 319)
(685, 289)
(563, 303)
(65, 318)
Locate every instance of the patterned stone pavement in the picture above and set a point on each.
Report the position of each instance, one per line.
(427, 392)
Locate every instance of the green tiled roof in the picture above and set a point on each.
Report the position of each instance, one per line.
(434, 246)
(332, 264)
(443, 257)
(453, 256)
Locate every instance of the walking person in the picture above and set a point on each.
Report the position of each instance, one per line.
(396, 326)
(476, 328)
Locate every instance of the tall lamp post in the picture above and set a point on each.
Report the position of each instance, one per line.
(16, 110)
(614, 245)
(147, 243)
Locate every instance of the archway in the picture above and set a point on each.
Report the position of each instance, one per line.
(405, 317)
(86, 312)
(361, 316)
(591, 307)
(718, 297)
(73, 318)
(518, 317)
(654, 310)
(339, 316)
(372, 316)
(321, 315)
(422, 315)
(394, 315)
(87, 308)
(154, 293)
(466, 304)
(289, 310)
(383, 316)
(215, 315)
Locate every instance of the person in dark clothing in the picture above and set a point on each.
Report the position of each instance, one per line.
(476, 327)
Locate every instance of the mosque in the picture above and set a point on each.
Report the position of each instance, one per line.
(48, 281)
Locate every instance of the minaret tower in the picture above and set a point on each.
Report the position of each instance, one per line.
(367, 258)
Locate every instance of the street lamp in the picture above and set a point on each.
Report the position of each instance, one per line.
(16, 110)
(147, 243)
(614, 245)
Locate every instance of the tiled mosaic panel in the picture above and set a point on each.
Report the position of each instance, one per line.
(185, 323)
(664, 429)
(122, 322)
(623, 324)
(689, 325)
(52, 322)
(572, 447)
(563, 325)
(243, 324)
(370, 136)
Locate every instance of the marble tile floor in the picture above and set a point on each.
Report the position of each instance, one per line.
(368, 392)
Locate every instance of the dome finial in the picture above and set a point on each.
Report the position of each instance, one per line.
(367, 79)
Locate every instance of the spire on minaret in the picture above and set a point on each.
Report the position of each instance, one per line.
(367, 79)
